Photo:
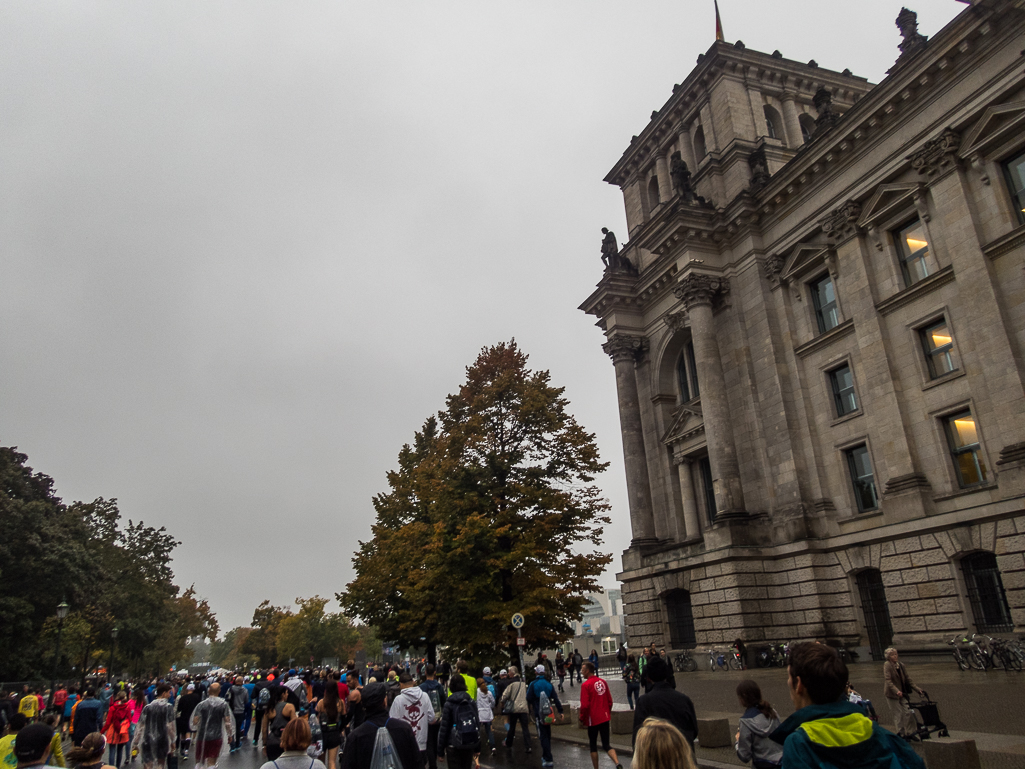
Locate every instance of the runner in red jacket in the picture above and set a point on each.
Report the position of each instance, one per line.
(596, 713)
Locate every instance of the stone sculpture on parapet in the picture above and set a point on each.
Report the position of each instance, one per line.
(680, 176)
(610, 256)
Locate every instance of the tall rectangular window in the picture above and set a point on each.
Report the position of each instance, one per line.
(939, 349)
(843, 390)
(823, 297)
(863, 478)
(687, 373)
(966, 451)
(692, 367)
(914, 252)
(1015, 170)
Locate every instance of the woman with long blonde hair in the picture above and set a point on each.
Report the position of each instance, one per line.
(660, 745)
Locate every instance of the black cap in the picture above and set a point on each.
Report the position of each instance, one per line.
(373, 695)
(31, 743)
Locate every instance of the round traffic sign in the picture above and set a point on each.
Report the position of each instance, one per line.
(517, 620)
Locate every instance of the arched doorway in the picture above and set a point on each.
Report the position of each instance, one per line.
(875, 610)
(681, 620)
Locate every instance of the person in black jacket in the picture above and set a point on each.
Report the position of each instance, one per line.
(662, 701)
(460, 756)
(359, 748)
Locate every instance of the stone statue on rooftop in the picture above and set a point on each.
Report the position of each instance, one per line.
(613, 260)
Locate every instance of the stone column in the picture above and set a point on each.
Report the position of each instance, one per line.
(687, 147)
(690, 504)
(697, 292)
(791, 124)
(624, 351)
(706, 124)
(665, 187)
(758, 111)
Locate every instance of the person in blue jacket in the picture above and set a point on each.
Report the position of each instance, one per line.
(827, 730)
(541, 685)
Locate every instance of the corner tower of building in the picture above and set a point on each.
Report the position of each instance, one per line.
(817, 327)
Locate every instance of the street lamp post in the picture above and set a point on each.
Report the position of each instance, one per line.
(113, 645)
(62, 614)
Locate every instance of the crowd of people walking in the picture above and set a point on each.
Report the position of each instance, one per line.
(423, 713)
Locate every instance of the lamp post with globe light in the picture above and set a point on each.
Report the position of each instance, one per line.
(62, 614)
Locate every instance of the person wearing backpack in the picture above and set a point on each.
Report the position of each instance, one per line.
(413, 705)
(578, 661)
(486, 711)
(276, 721)
(514, 706)
(459, 736)
(359, 747)
(261, 701)
(437, 695)
(542, 699)
(632, 676)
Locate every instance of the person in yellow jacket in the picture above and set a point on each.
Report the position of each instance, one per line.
(29, 705)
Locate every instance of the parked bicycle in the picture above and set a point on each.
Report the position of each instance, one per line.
(717, 660)
(966, 653)
(684, 662)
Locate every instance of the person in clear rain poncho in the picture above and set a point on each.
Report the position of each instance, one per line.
(214, 727)
(155, 733)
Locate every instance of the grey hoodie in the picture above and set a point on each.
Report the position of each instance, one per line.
(754, 743)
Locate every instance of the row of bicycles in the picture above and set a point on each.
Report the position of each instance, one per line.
(718, 659)
(983, 652)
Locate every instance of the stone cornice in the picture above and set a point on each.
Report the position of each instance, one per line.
(824, 340)
(920, 289)
(1006, 244)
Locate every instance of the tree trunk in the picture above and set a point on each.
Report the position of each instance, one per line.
(432, 652)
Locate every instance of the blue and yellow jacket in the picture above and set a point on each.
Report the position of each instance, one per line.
(840, 735)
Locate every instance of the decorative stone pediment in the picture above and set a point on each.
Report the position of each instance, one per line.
(888, 200)
(687, 423)
(998, 124)
(804, 257)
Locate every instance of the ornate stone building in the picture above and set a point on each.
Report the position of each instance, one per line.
(818, 334)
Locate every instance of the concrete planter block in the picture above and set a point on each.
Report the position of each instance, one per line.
(715, 733)
(622, 722)
(951, 754)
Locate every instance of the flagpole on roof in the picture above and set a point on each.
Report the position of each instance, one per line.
(718, 23)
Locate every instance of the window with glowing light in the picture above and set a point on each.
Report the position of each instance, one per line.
(915, 259)
(966, 451)
(1015, 171)
(939, 349)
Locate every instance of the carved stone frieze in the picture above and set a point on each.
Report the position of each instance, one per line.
(677, 320)
(937, 154)
(842, 222)
(696, 289)
(625, 347)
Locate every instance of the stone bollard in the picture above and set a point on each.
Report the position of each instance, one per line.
(951, 754)
(715, 733)
(622, 722)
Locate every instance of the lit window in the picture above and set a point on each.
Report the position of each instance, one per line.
(914, 252)
(1015, 170)
(863, 478)
(823, 297)
(964, 447)
(939, 349)
(843, 390)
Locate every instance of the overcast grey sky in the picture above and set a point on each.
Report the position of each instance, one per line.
(247, 247)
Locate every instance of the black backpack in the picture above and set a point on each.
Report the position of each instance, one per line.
(465, 725)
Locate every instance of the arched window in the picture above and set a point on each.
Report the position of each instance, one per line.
(986, 593)
(681, 620)
(807, 126)
(699, 144)
(653, 198)
(876, 611)
(774, 123)
(687, 373)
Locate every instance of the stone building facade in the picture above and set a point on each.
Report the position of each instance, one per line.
(817, 327)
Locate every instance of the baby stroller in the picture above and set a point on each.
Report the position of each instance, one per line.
(928, 715)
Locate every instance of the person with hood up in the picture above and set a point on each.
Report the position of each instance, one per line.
(116, 727)
(238, 699)
(539, 687)
(758, 722)
(155, 733)
(413, 706)
(486, 711)
(213, 725)
(183, 708)
(662, 701)
(827, 730)
(459, 736)
(359, 748)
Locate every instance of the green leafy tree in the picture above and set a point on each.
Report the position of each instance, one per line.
(312, 633)
(227, 652)
(492, 510)
(262, 643)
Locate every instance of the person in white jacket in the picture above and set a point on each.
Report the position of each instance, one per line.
(413, 706)
(486, 710)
